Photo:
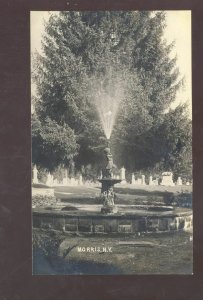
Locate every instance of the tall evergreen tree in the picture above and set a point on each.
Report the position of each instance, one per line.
(118, 51)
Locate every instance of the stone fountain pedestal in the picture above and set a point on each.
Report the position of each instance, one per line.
(108, 195)
(108, 182)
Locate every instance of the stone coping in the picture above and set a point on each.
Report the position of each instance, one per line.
(177, 212)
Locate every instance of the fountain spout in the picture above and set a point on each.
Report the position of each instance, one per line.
(108, 170)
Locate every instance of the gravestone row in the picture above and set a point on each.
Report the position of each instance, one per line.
(165, 180)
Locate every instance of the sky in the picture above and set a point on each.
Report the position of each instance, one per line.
(178, 29)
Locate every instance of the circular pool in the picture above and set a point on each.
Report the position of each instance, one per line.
(130, 219)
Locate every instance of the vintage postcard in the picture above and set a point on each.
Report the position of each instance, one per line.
(111, 142)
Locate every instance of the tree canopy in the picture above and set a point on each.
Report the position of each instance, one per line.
(124, 54)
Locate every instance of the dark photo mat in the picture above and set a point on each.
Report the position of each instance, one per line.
(16, 279)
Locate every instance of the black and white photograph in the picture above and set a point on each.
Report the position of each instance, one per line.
(111, 105)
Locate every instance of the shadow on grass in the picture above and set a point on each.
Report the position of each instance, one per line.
(82, 200)
(58, 266)
(40, 185)
(141, 192)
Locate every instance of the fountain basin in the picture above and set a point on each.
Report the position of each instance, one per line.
(125, 221)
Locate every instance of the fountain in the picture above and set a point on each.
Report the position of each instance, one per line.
(107, 108)
(107, 181)
(110, 217)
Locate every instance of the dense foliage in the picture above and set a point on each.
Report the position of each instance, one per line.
(52, 143)
(123, 53)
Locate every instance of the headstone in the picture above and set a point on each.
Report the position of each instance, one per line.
(187, 183)
(72, 168)
(150, 180)
(155, 182)
(143, 180)
(35, 172)
(133, 179)
(50, 180)
(122, 175)
(167, 179)
(179, 181)
(65, 181)
(139, 181)
(73, 182)
(80, 180)
(55, 182)
(66, 173)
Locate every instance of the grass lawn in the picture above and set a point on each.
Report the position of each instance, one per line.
(126, 194)
(164, 253)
